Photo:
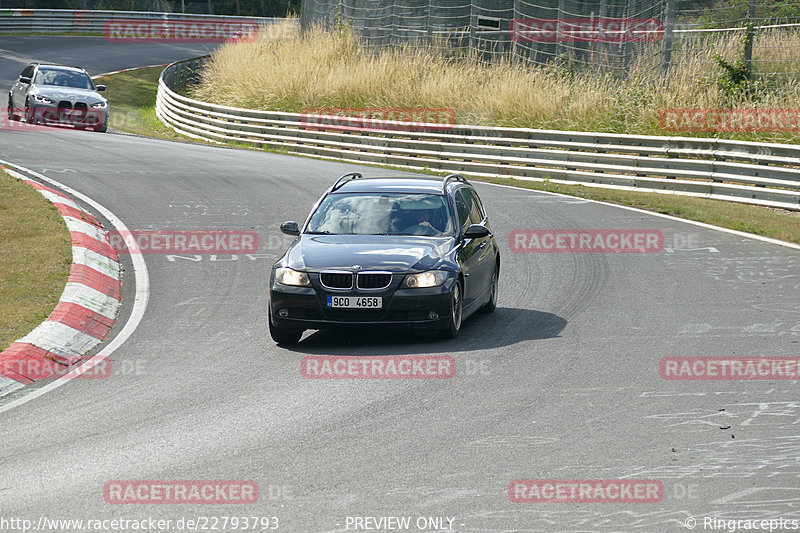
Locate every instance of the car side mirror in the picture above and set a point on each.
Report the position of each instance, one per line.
(100, 88)
(476, 231)
(290, 227)
(24, 79)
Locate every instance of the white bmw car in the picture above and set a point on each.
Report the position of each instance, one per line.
(59, 95)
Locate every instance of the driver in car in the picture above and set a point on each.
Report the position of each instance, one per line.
(423, 225)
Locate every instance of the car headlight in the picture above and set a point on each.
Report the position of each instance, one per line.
(100, 105)
(431, 278)
(287, 276)
(42, 99)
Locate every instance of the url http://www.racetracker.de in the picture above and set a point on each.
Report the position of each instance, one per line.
(194, 523)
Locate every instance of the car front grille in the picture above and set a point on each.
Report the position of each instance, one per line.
(80, 109)
(336, 280)
(373, 280)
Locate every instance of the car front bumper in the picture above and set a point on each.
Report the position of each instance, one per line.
(52, 114)
(305, 307)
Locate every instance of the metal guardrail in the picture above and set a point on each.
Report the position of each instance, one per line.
(93, 22)
(748, 172)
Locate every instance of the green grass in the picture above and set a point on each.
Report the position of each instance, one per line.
(37, 252)
(132, 97)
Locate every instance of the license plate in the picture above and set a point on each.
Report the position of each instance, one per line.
(355, 302)
(72, 112)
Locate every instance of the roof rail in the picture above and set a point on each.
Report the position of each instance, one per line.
(452, 177)
(344, 179)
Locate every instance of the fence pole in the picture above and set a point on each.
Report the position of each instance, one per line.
(515, 47)
(600, 48)
(669, 26)
(428, 25)
(559, 37)
(748, 49)
(305, 15)
(473, 23)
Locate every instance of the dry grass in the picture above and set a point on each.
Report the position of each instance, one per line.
(37, 252)
(776, 223)
(281, 71)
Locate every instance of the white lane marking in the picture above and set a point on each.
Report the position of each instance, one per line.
(8, 54)
(662, 215)
(141, 296)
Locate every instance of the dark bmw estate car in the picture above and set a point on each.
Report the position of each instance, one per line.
(409, 252)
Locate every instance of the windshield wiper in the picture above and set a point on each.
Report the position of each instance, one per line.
(325, 232)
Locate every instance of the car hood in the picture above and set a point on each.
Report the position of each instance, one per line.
(370, 252)
(68, 93)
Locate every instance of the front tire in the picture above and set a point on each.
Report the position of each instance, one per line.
(10, 110)
(285, 336)
(491, 305)
(30, 117)
(453, 327)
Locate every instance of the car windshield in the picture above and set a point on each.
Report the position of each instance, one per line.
(382, 214)
(63, 78)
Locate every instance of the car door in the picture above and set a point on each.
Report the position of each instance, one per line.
(469, 252)
(19, 90)
(483, 270)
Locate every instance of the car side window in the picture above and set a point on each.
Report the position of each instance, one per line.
(476, 214)
(28, 72)
(464, 206)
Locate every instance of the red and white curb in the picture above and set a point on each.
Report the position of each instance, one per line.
(87, 307)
